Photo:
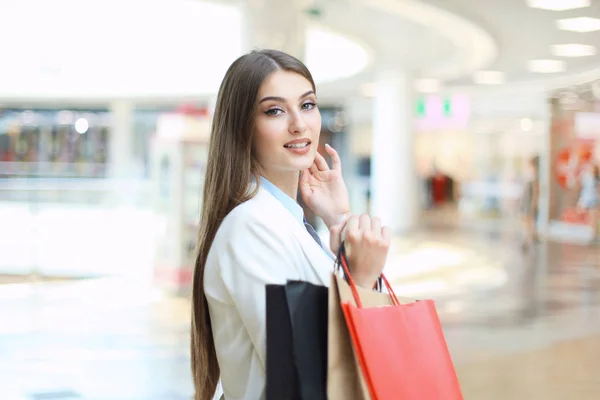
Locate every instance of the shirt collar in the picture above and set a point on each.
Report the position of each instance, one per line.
(284, 199)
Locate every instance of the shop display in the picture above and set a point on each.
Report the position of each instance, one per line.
(41, 143)
(179, 153)
(574, 149)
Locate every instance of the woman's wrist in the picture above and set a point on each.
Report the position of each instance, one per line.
(337, 219)
(367, 282)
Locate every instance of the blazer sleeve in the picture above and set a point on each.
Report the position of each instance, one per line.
(256, 254)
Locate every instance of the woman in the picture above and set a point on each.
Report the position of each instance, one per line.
(589, 198)
(529, 203)
(265, 133)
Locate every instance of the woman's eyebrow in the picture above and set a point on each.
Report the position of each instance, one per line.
(276, 98)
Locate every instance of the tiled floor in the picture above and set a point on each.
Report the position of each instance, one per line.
(519, 325)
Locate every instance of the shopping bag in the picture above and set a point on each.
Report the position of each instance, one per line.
(296, 341)
(282, 380)
(400, 348)
(345, 381)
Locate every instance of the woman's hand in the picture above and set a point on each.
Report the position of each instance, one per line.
(324, 191)
(367, 244)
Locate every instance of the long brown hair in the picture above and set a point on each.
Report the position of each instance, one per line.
(231, 164)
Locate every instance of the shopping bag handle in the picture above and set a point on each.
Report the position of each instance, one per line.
(344, 263)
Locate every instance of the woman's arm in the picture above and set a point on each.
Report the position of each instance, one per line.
(253, 256)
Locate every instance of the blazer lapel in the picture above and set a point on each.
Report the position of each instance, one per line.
(318, 259)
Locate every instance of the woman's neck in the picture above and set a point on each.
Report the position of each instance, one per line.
(287, 182)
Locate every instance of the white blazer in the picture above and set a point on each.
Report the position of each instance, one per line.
(258, 243)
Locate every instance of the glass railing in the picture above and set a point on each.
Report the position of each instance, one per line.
(76, 184)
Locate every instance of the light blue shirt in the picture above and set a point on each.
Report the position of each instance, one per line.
(290, 204)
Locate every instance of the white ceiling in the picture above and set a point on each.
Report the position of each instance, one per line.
(113, 48)
(173, 49)
(86, 50)
(408, 36)
(523, 33)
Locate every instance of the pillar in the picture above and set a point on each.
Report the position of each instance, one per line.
(121, 142)
(273, 24)
(122, 168)
(394, 185)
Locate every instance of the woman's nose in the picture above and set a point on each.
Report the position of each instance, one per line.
(297, 124)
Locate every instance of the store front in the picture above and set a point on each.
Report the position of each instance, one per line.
(574, 153)
(61, 211)
(471, 155)
(484, 164)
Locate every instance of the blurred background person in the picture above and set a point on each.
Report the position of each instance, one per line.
(589, 196)
(529, 203)
(440, 188)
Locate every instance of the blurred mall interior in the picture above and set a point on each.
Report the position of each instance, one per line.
(437, 108)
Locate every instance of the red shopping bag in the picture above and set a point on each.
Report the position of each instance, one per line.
(401, 349)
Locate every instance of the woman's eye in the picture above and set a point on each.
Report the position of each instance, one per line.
(308, 106)
(273, 111)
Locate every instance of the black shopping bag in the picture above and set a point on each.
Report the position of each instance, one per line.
(297, 341)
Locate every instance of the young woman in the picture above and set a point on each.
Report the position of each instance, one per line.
(529, 204)
(589, 197)
(264, 135)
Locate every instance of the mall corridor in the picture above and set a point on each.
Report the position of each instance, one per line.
(131, 129)
(521, 326)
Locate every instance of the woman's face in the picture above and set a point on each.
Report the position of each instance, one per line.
(287, 126)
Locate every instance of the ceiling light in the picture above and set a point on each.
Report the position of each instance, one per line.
(526, 124)
(331, 56)
(579, 24)
(427, 85)
(573, 50)
(558, 5)
(488, 77)
(546, 66)
(81, 126)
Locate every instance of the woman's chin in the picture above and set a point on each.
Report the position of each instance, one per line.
(303, 163)
(303, 166)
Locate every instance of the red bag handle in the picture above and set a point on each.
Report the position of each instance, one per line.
(344, 262)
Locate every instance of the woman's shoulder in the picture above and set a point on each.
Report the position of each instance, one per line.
(254, 229)
(253, 216)
(255, 208)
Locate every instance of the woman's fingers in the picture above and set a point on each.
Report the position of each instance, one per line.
(365, 223)
(304, 183)
(351, 229)
(386, 234)
(350, 234)
(376, 227)
(321, 163)
(336, 163)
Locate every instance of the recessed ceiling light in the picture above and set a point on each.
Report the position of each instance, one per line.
(488, 77)
(579, 24)
(427, 85)
(526, 124)
(558, 5)
(573, 50)
(546, 66)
